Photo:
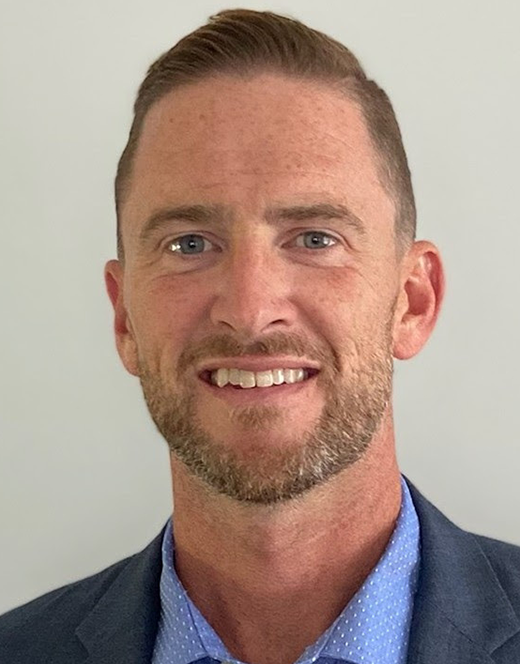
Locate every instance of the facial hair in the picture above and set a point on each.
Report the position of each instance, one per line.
(352, 414)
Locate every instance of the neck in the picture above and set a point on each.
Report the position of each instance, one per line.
(251, 570)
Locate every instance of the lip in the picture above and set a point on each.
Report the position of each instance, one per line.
(257, 394)
(257, 364)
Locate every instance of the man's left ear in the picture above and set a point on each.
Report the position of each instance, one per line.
(420, 299)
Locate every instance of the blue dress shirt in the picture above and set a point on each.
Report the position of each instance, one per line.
(372, 629)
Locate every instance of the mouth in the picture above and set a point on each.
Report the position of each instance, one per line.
(240, 395)
(308, 373)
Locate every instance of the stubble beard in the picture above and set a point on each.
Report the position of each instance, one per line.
(268, 474)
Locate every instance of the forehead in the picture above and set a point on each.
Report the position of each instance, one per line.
(229, 140)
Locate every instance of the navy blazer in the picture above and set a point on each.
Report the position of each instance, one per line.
(466, 609)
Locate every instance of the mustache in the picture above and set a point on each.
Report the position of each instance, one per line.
(223, 346)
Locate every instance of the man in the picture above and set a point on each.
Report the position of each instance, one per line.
(267, 275)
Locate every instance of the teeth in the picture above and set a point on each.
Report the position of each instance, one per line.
(293, 375)
(278, 376)
(220, 377)
(234, 376)
(264, 378)
(248, 379)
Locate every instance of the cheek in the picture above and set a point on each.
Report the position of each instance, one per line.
(345, 298)
(355, 309)
(164, 313)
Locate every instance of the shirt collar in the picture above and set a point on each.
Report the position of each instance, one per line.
(373, 627)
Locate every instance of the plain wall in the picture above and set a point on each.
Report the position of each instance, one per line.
(84, 475)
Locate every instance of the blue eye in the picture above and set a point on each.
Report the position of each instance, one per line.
(190, 243)
(316, 243)
(193, 244)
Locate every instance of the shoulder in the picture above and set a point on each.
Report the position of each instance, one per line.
(504, 559)
(47, 623)
(471, 576)
(117, 607)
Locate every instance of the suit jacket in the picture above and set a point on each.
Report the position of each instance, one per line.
(466, 610)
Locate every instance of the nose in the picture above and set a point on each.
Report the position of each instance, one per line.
(254, 290)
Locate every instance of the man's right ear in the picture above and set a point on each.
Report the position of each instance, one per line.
(125, 339)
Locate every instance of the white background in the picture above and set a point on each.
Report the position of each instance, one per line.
(84, 476)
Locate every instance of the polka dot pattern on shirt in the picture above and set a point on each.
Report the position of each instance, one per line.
(372, 629)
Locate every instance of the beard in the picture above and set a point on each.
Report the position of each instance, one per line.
(267, 474)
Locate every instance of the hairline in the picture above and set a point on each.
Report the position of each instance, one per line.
(344, 87)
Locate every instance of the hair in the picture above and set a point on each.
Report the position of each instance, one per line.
(243, 42)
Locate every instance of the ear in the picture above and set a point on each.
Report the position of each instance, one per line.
(125, 338)
(419, 301)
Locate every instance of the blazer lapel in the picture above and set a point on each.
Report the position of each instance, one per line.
(122, 626)
(461, 612)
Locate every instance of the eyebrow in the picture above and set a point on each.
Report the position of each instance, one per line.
(207, 215)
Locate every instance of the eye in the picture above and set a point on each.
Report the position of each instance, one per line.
(315, 240)
(192, 244)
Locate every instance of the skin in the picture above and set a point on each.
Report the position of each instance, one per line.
(254, 542)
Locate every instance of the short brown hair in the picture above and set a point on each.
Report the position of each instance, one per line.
(243, 42)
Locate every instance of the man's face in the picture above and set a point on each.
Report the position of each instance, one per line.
(272, 266)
